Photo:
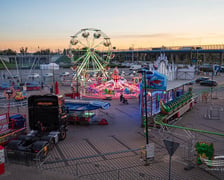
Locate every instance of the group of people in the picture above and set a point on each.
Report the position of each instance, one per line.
(123, 99)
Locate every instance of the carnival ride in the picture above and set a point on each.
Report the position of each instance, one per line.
(30, 82)
(115, 87)
(173, 105)
(176, 109)
(91, 51)
(95, 51)
(20, 95)
(176, 105)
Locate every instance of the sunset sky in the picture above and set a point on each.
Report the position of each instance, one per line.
(129, 23)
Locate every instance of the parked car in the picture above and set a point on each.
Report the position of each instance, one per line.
(201, 79)
(208, 83)
(190, 82)
(48, 75)
(13, 77)
(65, 74)
(34, 75)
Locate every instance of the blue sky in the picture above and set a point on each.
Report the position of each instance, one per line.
(137, 23)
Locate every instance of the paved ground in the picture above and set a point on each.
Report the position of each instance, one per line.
(112, 152)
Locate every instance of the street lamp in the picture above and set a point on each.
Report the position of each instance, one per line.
(144, 72)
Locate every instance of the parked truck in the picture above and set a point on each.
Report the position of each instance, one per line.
(47, 123)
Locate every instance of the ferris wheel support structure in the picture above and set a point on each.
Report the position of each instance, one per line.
(94, 50)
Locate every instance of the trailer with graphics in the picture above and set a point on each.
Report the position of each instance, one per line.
(47, 121)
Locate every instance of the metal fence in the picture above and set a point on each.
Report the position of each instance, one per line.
(4, 104)
(119, 174)
(26, 158)
(101, 170)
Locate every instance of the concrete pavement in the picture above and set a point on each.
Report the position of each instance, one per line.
(105, 152)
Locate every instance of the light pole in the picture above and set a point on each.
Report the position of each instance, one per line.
(53, 89)
(146, 112)
(144, 72)
(212, 79)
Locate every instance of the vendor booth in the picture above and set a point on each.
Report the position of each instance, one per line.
(84, 112)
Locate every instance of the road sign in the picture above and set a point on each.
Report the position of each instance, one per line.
(150, 150)
(171, 146)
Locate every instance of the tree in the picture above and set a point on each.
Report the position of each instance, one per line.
(23, 50)
(8, 52)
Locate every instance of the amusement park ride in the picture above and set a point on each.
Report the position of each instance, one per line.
(115, 87)
(95, 51)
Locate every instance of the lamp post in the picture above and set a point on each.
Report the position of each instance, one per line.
(212, 80)
(146, 112)
(144, 72)
(53, 79)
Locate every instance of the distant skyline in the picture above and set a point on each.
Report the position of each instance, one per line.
(129, 23)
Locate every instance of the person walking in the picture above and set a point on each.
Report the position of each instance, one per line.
(125, 101)
(121, 97)
(42, 85)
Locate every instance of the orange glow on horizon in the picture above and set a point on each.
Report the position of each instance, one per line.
(136, 42)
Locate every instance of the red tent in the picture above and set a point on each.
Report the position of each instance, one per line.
(56, 88)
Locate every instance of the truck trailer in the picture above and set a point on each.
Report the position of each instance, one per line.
(47, 124)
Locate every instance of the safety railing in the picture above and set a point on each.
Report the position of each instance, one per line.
(25, 157)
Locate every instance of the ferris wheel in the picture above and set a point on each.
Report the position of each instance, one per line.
(90, 50)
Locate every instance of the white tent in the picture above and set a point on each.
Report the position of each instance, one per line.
(52, 66)
(186, 73)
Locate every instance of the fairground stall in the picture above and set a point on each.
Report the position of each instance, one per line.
(161, 95)
(85, 112)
